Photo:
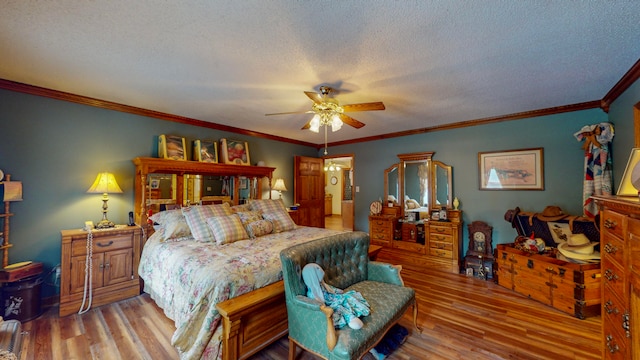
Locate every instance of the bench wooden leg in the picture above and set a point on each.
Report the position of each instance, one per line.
(292, 349)
(415, 316)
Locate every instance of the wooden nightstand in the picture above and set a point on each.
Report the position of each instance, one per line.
(116, 255)
(294, 216)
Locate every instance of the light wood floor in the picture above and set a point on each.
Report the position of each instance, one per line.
(333, 222)
(462, 318)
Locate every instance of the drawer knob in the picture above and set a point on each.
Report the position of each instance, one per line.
(610, 249)
(610, 275)
(610, 224)
(612, 347)
(608, 307)
(625, 324)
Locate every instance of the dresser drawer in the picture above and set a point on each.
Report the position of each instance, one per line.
(613, 277)
(613, 222)
(440, 238)
(440, 230)
(612, 248)
(445, 254)
(441, 245)
(102, 244)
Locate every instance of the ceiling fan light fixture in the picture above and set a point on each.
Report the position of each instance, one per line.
(314, 125)
(336, 122)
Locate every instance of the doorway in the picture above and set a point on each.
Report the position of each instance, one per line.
(339, 192)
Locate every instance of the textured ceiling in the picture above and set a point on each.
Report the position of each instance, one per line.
(230, 62)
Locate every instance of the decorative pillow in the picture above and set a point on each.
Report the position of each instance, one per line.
(267, 205)
(280, 219)
(173, 224)
(197, 215)
(227, 229)
(259, 228)
(249, 216)
(241, 208)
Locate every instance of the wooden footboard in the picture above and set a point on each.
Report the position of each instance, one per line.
(253, 321)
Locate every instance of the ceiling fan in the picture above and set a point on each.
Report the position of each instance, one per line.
(327, 110)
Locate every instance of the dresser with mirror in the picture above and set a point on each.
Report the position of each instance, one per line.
(418, 225)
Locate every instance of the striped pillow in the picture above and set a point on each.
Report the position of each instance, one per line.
(197, 216)
(227, 229)
(267, 205)
(281, 220)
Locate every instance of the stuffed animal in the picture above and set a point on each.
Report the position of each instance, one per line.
(347, 306)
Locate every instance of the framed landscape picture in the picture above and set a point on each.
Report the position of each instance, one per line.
(234, 152)
(205, 151)
(511, 170)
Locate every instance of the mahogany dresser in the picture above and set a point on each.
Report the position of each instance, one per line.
(620, 249)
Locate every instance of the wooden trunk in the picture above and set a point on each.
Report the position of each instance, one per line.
(566, 286)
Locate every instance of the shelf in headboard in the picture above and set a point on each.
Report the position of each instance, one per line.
(148, 165)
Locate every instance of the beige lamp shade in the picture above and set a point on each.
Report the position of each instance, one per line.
(12, 190)
(279, 185)
(105, 183)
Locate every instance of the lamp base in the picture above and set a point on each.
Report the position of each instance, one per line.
(105, 224)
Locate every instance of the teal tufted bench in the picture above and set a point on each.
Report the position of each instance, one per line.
(344, 258)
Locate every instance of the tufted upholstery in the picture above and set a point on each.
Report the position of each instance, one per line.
(344, 258)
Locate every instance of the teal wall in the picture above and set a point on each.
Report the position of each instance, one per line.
(56, 149)
(563, 164)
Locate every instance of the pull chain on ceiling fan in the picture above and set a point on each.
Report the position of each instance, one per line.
(328, 112)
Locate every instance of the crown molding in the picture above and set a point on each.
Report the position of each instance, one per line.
(104, 104)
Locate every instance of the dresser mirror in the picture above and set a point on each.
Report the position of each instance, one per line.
(442, 186)
(424, 184)
(391, 183)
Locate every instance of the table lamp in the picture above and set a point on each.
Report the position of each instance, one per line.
(279, 187)
(105, 183)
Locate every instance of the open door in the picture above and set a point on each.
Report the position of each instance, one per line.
(308, 188)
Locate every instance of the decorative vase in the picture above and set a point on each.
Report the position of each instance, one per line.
(456, 203)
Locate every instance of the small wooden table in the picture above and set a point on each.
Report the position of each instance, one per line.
(373, 251)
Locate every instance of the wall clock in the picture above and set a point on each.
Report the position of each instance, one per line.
(334, 180)
(480, 239)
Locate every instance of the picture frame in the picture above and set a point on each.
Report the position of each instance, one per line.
(626, 187)
(244, 183)
(205, 151)
(520, 169)
(235, 152)
(172, 147)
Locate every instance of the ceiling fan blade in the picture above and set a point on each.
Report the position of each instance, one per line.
(307, 125)
(287, 113)
(351, 121)
(315, 97)
(364, 106)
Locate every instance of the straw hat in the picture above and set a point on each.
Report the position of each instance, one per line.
(579, 247)
(552, 213)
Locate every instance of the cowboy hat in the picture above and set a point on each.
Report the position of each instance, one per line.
(579, 247)
(551, 213)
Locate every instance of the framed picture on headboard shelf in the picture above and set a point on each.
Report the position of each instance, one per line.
(172, 147)
(205, 151)
(235, 152)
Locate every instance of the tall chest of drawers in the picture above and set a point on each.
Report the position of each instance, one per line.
(620, 249)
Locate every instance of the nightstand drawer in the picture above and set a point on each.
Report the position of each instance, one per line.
(100, 244)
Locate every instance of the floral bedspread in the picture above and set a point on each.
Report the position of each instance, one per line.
(188, 278)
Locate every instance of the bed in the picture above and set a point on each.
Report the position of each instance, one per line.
(225, 297)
